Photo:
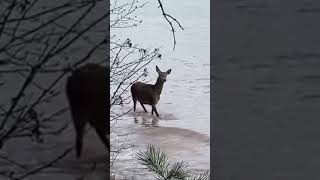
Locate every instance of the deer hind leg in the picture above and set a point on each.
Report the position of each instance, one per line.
(79, 124)
(145, 110)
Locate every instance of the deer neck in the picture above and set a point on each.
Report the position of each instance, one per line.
(158, 86)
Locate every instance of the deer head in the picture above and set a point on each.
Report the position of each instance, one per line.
(162, 75)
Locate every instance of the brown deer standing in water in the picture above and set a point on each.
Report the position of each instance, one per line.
(149, 93)
(86, 90)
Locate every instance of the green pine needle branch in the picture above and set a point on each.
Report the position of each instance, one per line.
(157, 162)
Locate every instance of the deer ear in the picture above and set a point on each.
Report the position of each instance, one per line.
(157, 69)
(169, 71)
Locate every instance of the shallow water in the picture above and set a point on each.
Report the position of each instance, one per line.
(183, 128)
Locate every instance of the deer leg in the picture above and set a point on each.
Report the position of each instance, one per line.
(134, 104)
(152, 109)
(102, 135)
(155, 110)
(145, 110)
(79, 125)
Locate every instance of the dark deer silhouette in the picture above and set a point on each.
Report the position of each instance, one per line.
(149, 93)
(87, 94)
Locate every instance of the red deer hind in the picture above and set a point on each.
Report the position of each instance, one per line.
(149, 93)
(86, 91)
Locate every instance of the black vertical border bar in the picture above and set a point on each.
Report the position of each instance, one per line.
(108, 82)
(214, 12)
(212, 85)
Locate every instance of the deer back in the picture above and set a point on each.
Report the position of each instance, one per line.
(144, 93)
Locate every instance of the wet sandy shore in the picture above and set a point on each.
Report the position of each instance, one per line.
(178, 143)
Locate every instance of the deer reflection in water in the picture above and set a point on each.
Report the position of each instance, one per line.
(147, 121)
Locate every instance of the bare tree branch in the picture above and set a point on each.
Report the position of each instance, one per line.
(35, 41)
(168, 18)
